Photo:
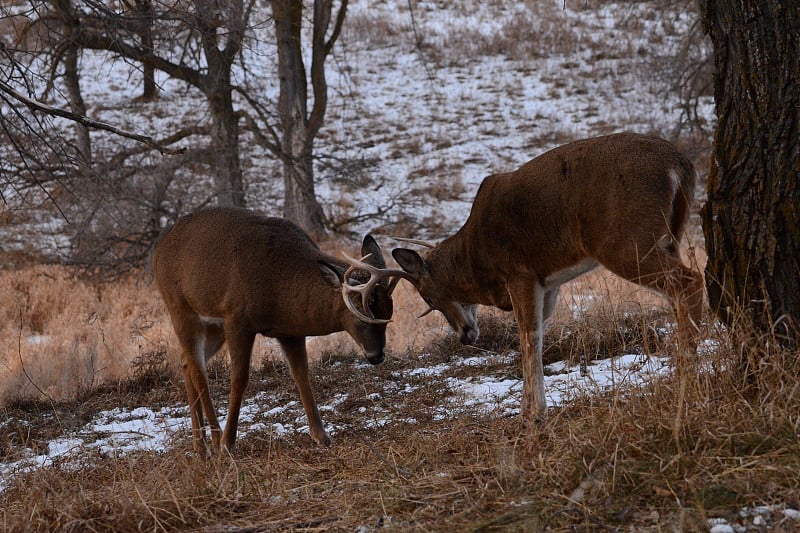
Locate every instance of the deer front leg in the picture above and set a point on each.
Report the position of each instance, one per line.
(295, 351)
(528, 298)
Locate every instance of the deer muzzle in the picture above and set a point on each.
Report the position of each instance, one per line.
(469, 334)
(374, 358)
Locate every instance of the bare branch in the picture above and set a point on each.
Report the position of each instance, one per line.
(35, 105)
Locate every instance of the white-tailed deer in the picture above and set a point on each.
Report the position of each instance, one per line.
(620, 201)
(227, 274)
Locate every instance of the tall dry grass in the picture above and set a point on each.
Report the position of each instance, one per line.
(703, 442)
(60, 335)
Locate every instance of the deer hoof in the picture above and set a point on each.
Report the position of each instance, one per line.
(323, 441)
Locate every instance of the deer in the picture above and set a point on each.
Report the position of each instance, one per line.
(227, 274)
(620, 201)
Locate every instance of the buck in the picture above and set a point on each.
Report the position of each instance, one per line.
(620, 201)
(227, 274)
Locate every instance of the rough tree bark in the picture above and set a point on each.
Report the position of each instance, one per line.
(299, 127)
(143, 10)
(752, 218)
(218, 89)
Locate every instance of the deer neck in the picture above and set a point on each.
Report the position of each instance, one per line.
(454, 268)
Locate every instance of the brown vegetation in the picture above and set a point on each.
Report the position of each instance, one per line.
(663, 458)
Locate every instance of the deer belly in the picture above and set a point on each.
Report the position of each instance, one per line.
(570, 273)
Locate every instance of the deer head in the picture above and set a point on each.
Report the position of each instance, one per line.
(372, 283)
(435, 291)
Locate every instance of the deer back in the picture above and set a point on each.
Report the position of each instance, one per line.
(580, 201)
(264, 271)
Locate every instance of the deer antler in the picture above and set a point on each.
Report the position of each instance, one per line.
(365, 289)
(427, 311)
(426, 244)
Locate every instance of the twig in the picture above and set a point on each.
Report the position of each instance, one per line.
(22, 363)
(399, 470)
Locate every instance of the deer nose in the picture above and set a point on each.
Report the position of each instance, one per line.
(469, 334)
(375, 358)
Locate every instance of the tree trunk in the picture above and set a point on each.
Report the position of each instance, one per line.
(752, 218)
(77, 105)
(226, 164)
(72, 81)
(225, 161)
(144, 11)
(300, 201)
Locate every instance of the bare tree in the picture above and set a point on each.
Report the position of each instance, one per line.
(67, 51)
(752, 218)
(200, 43)
(299, 125)
(219, 30)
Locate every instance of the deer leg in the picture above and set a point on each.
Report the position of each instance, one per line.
(199, 376)
(550, 301)
(192, 337)
(195, 407)
(294, 348)
(207, 342)
(211, 340)
(240, 346)
(528, 299)
(215, 338)
(199, 395)
(663, 271)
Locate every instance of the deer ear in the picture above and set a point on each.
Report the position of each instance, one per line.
(410, 261)
(333, 273)
(370, 248)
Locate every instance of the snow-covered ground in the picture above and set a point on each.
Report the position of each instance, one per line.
(433, 122)
(490, 86)
(117, 432)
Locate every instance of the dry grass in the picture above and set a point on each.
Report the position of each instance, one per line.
(703, 443)
(599, 464)
(60, 335)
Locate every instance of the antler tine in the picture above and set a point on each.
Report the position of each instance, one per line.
(376, 274)
(365, 289)
(419, 242)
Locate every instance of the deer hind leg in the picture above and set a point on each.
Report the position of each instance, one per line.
(240, 346)
(214, 338)
(662, 270)
(192, 335)
(550, 301)
(530, 300)
(294, 348)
